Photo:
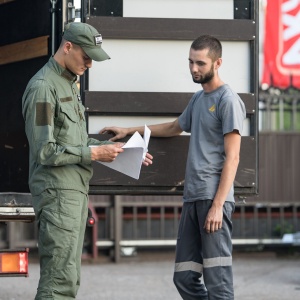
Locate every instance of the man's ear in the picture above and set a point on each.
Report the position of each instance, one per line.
(218, 63)
(67, 47)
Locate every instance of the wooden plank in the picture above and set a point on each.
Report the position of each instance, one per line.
(173, 29)
(5, 1)
(147, 103)
(136, 103)
(24, 50)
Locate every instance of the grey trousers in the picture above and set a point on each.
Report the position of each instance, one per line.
(61, 216)
(203, 265)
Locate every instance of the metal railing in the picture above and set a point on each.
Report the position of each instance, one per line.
(279, 110)
(127, 223)
(144, 223)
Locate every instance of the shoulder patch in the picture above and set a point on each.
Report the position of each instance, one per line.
(43, 114)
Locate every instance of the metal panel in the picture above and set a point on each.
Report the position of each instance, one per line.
(165, 68)
(16, 207)
(166, 175)
(243, 9)
(14, 150)
(172, 8)
(106, 8)
(19, 21)
(24, 20)
(179, 9)
(246, 173)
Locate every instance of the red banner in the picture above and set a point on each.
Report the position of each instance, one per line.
(282, 44)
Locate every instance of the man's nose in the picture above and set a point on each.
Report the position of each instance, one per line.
(193, 67)
(89, 63)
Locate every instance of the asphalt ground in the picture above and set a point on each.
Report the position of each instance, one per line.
(257, 276)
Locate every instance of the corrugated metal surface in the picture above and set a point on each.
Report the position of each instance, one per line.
(279, 168)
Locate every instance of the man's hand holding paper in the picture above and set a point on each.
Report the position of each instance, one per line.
(135, 152)
(106, 153)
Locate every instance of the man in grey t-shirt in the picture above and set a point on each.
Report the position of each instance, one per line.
(214, 117)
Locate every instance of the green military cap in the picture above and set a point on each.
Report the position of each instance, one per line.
(88, 38)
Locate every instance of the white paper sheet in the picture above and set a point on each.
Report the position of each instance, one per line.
(130, 161)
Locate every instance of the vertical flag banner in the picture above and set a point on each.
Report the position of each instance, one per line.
(282, 44)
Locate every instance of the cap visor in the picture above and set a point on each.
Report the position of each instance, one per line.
(96, 53)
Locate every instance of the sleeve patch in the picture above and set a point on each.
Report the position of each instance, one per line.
(43, 114)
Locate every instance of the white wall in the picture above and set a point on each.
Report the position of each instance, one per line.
(188, 9)
(162, 66)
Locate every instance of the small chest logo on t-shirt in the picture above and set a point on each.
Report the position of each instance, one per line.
(212, 108)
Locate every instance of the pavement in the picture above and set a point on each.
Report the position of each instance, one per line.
(257, 276)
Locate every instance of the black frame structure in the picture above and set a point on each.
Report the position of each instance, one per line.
(166, 176)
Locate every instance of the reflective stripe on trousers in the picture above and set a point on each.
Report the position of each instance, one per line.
(201, 255)
(207, 263)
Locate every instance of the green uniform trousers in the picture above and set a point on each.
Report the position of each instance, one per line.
(61, 216)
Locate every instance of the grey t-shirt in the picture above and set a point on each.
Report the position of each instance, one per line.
(208, 117)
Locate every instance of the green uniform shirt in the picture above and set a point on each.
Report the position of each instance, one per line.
(55, 126)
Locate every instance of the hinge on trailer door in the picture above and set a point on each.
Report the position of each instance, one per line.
(243, 9)
(71, 12)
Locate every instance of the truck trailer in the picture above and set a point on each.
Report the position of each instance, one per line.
(151, 38)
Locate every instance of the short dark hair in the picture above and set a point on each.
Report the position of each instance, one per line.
(208, 42)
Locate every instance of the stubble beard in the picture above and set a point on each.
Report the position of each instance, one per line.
(206, 77)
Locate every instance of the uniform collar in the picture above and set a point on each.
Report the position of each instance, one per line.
(61, 71)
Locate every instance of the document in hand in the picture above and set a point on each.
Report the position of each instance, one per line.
(130, 161)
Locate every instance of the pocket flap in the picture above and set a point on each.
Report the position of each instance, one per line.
(70, 113)
(58, 219)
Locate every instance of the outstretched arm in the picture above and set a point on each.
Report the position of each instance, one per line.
(159, 130)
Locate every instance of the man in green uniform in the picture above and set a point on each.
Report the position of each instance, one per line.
(60, 159)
